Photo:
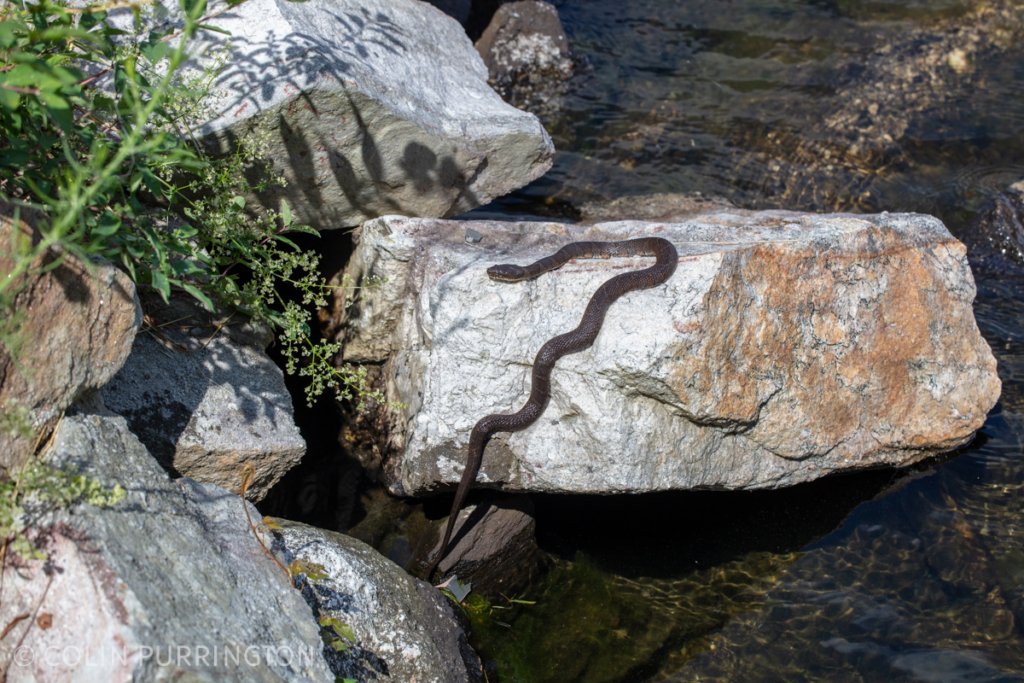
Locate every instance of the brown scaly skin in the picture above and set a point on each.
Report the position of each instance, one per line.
(570, 342)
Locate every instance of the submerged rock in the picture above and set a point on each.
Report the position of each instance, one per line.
(78, 326)
(207, 401)
(1000, 227)
(401, 628)
(786, 347)
(494, 546)
(169, 584)
(921, 585)
(367, 106)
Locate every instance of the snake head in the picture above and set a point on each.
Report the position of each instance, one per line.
(507, 272)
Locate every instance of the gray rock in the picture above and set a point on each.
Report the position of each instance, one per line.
(207, 401)
(369, 107)
(1000, 226)
(79, 323)
(170, 584)
(527, 54)
(405, 630)
(659, 207)
(786, 347)
(494, 546)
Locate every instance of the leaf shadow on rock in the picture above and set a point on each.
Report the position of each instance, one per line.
(256, 70)
(345, 144)
(163, 388)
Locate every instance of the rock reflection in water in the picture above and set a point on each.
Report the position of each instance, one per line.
(587, 625)
(644, 582)
(927, 584)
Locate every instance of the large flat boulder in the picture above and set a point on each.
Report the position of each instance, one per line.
(368, 107)
(76, 329)
(784, 348)
(171, 583)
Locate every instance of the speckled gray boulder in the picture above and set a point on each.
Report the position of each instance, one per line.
(207, 402)
(368, 107)
(169, 584)
(527, 55)
(404, 628)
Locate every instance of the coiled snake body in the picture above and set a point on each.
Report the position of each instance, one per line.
(570, 342)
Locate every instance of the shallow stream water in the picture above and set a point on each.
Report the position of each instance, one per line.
(896, 576)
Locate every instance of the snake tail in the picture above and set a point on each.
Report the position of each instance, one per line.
(580, 338)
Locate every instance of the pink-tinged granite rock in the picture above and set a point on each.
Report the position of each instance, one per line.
(785, 347)
(170, 583)
(77, 329)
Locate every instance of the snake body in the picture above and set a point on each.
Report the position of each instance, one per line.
(570, 342)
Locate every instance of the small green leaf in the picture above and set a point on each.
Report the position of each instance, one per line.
(8, 33)
(182, 267)
(345, 631)
(198, 295)
(94, 18)
(286, 213)
(107, 225)
(339, 627)
(151, 181)
(303, 229)
(59, 110)
(313, 571)
(103, 103)
(285, 240)
(10, 100)
(184, 232)
(156, 50)
(22, 76)
(161, 284)
(218, 29)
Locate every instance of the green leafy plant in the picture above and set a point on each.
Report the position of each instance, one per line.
(15, 421)
(98, 137)
(80, 153)
(97, 143)
(336, 634)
